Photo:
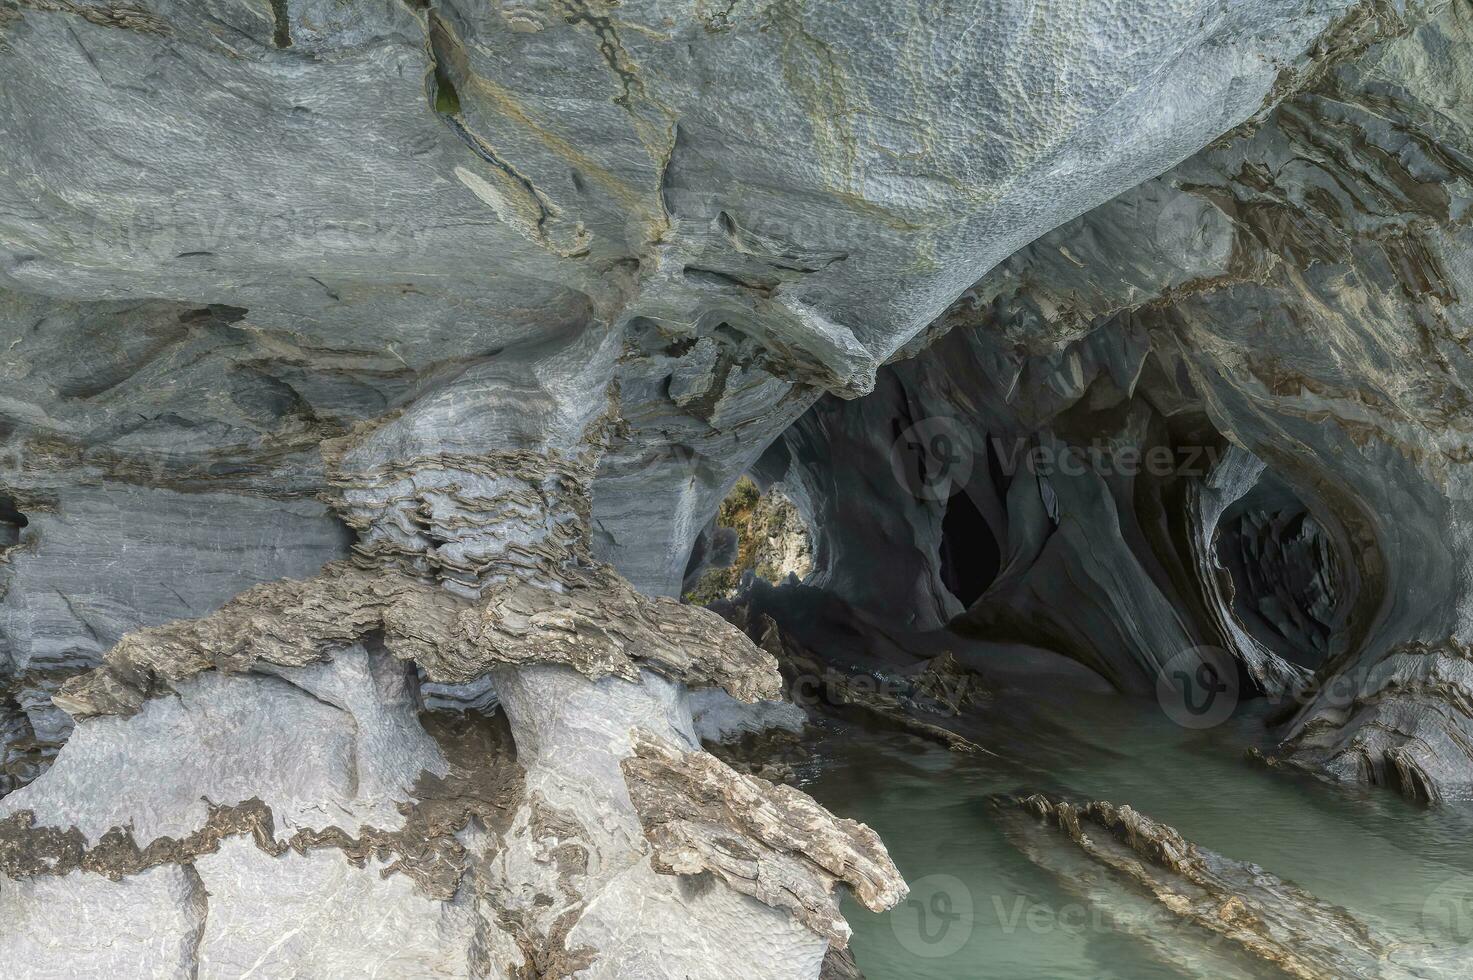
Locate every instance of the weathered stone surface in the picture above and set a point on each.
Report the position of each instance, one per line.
(290, 623)
(724, 933)
(324, 745)
(95, 563)
(600, 626)
(595, 623)
(411, 866)
(576, 852)
(486, 477)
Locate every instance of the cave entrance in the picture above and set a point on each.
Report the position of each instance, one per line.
(969, 555)
(1286, 590)
(758, 531)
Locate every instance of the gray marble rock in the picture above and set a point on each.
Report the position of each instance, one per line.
(81, 924)
(334, 744)
(529, 173)
(315, 915)
(96, 562)
(719, 717)
(722, 933)
(505, 288)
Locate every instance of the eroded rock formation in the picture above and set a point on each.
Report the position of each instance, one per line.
(770, 842)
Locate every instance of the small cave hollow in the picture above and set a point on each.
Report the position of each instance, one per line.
(11, 522)
(969, 555)
(1286, 587)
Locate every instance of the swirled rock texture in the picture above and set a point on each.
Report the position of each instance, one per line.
(1227, 409)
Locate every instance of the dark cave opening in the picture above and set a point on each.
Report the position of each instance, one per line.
(11, 522)
(1286, 590)
(969, 554)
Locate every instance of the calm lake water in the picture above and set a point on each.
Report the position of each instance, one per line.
(981, 909)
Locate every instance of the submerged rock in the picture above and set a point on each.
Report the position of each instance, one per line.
(1275, 924)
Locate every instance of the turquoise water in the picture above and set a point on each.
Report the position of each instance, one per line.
(980, 909)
